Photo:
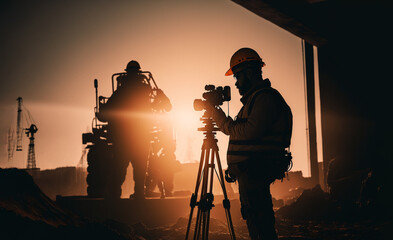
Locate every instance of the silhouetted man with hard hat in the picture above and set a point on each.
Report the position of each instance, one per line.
(128, 112)
(259, 136)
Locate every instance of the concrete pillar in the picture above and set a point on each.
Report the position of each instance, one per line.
(312, 133)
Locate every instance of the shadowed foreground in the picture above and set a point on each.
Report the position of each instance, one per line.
(27, 213)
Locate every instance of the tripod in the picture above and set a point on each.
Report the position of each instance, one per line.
(205, 175)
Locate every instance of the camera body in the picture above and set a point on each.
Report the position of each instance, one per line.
(213, 96)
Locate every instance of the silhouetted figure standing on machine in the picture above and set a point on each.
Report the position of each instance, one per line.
(128, 113)
(259, 136)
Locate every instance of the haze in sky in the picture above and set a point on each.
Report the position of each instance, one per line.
(53, 50)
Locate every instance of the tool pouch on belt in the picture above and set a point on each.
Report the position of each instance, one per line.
(230, 178)
(280, 166)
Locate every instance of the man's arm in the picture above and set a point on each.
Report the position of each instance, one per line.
(264, 112)
(161, 101)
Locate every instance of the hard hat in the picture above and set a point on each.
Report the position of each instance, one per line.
(134, 65)
(243, 55)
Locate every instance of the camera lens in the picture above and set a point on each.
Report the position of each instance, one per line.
(199, 104)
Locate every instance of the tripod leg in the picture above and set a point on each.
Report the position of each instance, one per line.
(207, 224)
(211, 168)
(195, 195)
(201, 163)
(205, 174)
(229, 222)
(202, 176)
(204, 226)
(189, 222)
(210, 174)
(203, 198)
(198, 223)
(226, 202)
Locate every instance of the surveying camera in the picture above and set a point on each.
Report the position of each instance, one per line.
(207, 167)
(213, 96)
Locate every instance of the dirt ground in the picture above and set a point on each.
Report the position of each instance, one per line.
(27, 213)
(287, 230)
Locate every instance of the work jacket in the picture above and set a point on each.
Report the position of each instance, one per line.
(263, 127)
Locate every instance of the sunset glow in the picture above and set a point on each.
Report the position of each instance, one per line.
(185, 45)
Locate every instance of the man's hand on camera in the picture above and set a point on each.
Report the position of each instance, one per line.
(219, 115)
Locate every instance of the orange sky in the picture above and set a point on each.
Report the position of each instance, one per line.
(54, 52)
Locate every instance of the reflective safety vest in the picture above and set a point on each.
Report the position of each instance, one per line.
(273, 142)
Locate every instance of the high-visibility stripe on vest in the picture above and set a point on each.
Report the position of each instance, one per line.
(273, 143)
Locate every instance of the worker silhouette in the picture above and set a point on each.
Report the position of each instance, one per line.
(129, 115)
(258, 137)
(162, 160)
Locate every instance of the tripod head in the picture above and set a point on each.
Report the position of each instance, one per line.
(209, 128)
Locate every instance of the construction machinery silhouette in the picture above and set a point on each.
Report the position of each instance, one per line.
(100, 147)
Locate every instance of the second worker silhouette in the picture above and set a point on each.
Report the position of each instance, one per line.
(128, 113)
